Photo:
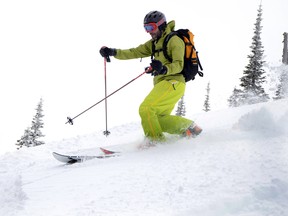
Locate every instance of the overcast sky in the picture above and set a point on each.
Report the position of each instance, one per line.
(50, 49)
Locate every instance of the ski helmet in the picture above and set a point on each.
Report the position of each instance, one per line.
(154, 17)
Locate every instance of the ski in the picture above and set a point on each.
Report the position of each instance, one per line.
(71, 159)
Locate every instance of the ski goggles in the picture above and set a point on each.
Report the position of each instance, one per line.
(152, 27)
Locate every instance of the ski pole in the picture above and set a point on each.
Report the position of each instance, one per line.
(70, 120)
(106, 132)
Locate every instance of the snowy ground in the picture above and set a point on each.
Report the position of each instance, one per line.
(238, 166)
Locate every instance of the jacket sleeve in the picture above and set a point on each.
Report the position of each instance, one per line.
(143, 50)
(175, 49)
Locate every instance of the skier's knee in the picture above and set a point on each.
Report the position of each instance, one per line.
(144, 110)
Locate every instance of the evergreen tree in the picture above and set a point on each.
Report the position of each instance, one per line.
(236, 99)
(37, 124)
(282, 88)
(33, 133)
(26, 139)
(207, 99)
(181, 110)
(254, 73)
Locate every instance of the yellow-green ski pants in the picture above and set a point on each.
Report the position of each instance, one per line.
(155, 110)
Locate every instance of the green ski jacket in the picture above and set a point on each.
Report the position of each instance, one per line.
(175, 49)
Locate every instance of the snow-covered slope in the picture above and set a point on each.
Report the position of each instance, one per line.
(238, 166)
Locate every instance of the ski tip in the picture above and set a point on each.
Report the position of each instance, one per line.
(106, 151)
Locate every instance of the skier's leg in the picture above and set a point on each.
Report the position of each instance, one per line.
(156, 108)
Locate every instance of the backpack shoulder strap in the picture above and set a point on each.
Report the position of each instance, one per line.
(164, 47)
(153, 51)
(166, 40)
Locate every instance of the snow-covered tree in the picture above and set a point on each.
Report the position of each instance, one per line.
(282, 87)
(25, 140)
(254, 74)
(33, 133)
(181, 110)
(207, 99)
(236, 99)
(37, 125)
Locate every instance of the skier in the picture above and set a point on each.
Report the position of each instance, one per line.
(169, 83)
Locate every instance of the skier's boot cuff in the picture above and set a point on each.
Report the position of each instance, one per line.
(192, 131)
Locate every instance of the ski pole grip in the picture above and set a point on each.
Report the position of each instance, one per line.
(108, 59)
(148, 69)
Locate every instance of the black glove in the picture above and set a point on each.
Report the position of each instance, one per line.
(106, 52)
(156, 68)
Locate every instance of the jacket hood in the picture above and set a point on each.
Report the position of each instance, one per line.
(170, 27)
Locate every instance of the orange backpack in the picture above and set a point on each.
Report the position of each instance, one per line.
(191, 59)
